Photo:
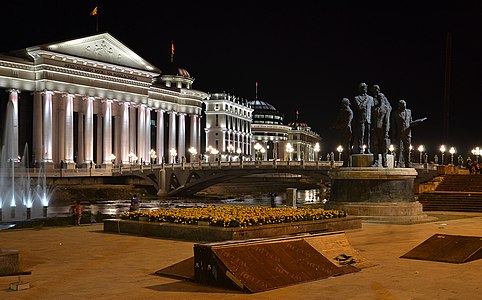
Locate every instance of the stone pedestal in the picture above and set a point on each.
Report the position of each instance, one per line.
(376, 194)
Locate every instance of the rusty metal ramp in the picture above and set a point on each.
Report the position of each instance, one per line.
(263, 264)
(448, 248)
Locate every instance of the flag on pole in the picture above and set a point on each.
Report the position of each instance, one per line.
(172, 51)
(94, 11)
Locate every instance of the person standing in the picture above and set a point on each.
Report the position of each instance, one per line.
(135, 203)
(380, 127)
(78, 209)
(362, 104)
(343, 124)
(402, 133)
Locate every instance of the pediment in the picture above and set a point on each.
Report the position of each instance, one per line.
(100, 47)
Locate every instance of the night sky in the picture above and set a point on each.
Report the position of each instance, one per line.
(306, 55)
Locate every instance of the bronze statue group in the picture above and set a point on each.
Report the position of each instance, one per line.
(367, 125)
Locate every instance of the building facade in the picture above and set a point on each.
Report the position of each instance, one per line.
(304, 141)
(228, 127)
(269, 132)
(92, 100)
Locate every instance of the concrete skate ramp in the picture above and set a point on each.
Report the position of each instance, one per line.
(448, 248)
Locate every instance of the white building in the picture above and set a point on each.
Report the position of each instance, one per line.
(228, 127)
(91, 99)
(303, 141)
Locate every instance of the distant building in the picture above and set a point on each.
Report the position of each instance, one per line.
(303, 140)
(92, 100)
(228, 127)
(268, 131)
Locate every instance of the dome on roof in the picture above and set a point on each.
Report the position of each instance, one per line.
(172, 69)
(261, 105)
(297, 124)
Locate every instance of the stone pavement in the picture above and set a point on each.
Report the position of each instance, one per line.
(85, 263)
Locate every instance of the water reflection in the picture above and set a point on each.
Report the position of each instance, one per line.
(116, 207)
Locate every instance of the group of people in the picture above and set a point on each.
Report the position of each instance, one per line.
(368, 126)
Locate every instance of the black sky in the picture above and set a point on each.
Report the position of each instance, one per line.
(306, 55)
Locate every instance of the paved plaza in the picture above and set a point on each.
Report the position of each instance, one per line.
(83, 262)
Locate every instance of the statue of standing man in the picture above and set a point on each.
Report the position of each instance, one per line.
(380, 127)
(362, 105)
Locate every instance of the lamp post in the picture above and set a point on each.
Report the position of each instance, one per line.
(317, 150)
(391, 148)
(263, 151)
(257, 147)
(289, 149)
(238, 151)
(173, 154)
(230, 149)
(421, 148)
(476, 152)
(452, 152)
(340, 150)
(442, 149)
(153, 155)
(112, 158)
(193, 152)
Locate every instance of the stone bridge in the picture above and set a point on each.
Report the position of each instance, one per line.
(189, 178)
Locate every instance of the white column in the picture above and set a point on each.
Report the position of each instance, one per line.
(141, 132)
(107, 131)
(69, 129)
(181, 144)
(132, 129)
(61, 128)
(198, 136)
(99, 138)
(89, 130)
(12, 125)
(80, 137)
(193, 134)
(47, 127)
(37, 128)
(172, 134)
(160, 136)
(124, 132)
(148, 146)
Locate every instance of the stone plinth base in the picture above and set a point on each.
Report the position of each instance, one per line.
(361, 160)
(378, 194)
(403, 212)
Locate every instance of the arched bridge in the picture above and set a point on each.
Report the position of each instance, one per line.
(189, 178)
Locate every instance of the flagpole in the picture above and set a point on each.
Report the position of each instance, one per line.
(256, 96)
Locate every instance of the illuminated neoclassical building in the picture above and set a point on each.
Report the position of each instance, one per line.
(303, 140)
(228, 127)
(93, 100)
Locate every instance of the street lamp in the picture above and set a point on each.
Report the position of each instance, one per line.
(289, 149)
(238, 151)
(476, 152)
(442, 149)
(262, 150)
(257, 147)
(230, 149)
(214, 152)
(391, 148)
(317, 150)
(452, 152)
(340, 150)
(421, 148)
(153, 155)
(112, 158)
(173, 154)
(132, 158)
(193, 153)
(410, 148)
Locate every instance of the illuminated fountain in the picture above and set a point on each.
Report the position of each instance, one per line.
(21, 196)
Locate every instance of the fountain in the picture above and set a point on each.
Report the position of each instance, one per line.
(22, 197)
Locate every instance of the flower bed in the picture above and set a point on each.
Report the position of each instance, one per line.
(234, 216)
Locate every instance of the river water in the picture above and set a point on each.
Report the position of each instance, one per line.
(116, 207)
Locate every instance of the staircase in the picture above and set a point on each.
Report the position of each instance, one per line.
(455, 192)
